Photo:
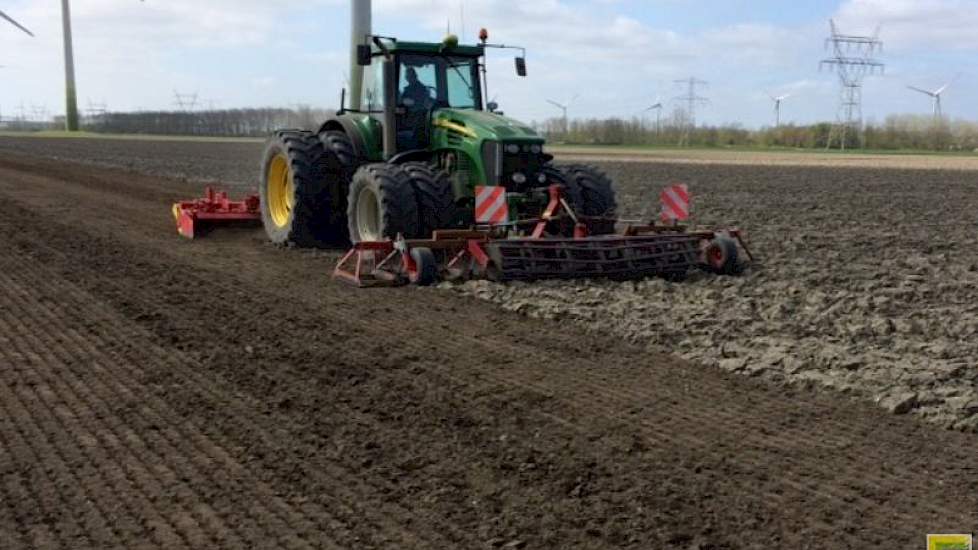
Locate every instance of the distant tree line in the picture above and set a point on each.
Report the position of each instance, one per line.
(896, 132)
(213, 123)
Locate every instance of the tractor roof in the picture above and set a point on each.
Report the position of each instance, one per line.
(435, 48)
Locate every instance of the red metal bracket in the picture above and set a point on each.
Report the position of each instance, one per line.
(364, 265)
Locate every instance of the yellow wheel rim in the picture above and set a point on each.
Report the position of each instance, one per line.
(280, 191)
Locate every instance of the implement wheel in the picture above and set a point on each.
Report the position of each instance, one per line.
(293, 189)
(381, 204)
(722, 257)
(426, 267)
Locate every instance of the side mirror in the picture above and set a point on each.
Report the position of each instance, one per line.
(521, 66)
(492, 106)
(363, 55)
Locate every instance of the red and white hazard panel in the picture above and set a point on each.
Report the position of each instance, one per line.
(675, 203)
(490, 205)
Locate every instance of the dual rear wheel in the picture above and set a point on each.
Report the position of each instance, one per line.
(299, 179)
(314, 192)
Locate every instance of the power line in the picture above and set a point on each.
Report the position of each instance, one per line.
(185, 102)
(692, 100)
(853, 59)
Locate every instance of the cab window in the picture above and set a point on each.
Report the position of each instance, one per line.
(461, 78)
(418, 82)
(373, 87)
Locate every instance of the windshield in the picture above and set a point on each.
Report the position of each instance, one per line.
(429, 81)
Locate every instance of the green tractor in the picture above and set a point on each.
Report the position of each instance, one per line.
(406, 157)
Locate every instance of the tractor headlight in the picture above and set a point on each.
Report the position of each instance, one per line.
(536, 149)
(519, 178)
(542, 178)
(513, 149)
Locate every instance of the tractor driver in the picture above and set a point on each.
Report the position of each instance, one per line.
(415, 91)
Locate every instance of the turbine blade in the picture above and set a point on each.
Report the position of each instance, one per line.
(948, 85)
(16, 24)
(555, 104)
(926, 92)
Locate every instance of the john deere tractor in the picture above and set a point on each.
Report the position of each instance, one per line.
(406, 156)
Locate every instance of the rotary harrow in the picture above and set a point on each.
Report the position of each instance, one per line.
(492, 252)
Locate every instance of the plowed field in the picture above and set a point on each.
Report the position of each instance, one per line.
(222, 393)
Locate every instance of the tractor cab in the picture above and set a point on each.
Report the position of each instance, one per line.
(426, 77)
(411, 89)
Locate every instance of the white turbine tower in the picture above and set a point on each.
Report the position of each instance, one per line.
(15, 23)
(777, 107)
(71, 94)
(563, 108)
(936, 95)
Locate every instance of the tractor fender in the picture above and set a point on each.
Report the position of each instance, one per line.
(339, 123)
(415, 155)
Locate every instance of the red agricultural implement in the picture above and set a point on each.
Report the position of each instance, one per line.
(215, 208)
(493, 252)
(489, 252)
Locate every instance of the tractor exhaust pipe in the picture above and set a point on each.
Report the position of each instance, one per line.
(360, 28)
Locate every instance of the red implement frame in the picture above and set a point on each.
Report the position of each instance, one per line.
(487, 252)
(214, 207)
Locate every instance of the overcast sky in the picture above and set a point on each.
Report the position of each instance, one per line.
(619, 55)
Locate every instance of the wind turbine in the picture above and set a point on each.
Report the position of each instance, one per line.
(657, 107)
(777, 108)
(936, 95)
(16, 24)
(563, 107)
(19, 26)
(71, 94)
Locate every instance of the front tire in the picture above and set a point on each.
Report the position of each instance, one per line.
(596, 196)
(293, 191)
(436, 199)
(381, 204)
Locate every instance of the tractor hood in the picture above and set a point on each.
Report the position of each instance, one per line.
(482, 125)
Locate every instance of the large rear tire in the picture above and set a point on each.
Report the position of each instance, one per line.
(381, 204)
(596, 196)
(294, 189)
(436, 199)
(339, 146)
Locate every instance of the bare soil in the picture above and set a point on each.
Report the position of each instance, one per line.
(223, 393)
(866, 282)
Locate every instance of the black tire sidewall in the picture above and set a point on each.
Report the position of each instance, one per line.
(398, 208)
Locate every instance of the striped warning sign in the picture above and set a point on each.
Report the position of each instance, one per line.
(675, 203)
(490, 205)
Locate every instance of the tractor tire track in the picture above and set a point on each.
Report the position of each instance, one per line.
(125, 386)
